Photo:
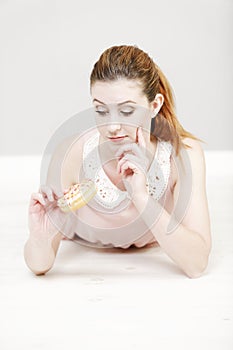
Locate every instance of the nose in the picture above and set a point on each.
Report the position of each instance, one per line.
(113, 124)
(113, 127)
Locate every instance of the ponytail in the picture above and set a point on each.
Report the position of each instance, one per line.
(165, 125)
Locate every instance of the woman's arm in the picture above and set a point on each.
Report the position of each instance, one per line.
(44, 239)
(40, 254)
(189, 244)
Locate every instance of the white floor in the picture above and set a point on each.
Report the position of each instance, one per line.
(102, 299)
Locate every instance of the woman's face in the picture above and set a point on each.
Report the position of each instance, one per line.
(120, 108)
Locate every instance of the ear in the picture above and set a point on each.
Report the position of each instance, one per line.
(157, 104)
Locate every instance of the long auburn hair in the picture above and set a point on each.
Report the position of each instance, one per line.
(133, 63)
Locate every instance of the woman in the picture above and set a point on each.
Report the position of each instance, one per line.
(150, 172)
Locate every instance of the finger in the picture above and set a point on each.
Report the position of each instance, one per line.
(120, 163)
(48, 192)
(35, 206)
(37, 197)
(139, 162)
(137, 135)
(128, 166)
(57, 192)
(126, 158)
(66, 190)
(133, 147)
(141, 139)
(131, 157)
(38, 201)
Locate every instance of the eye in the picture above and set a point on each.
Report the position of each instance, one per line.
(102, 113)
(126, 113)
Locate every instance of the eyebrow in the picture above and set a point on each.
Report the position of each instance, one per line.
(119, 104)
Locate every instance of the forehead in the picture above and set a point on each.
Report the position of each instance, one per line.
(118, 91)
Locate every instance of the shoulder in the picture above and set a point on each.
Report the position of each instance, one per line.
(73, 142)
(193, 145)
(195, 153)
(71, 147)
(66, 159)
(191, 156)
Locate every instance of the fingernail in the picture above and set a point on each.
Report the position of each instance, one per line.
(42, 200)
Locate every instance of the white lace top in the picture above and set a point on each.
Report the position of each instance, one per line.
(109, 195)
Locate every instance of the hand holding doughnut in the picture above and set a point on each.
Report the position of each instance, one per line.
(77, 196)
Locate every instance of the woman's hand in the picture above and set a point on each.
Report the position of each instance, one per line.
(45, 217)
(134, 165)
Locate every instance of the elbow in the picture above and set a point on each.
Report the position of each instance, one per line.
(196, 270)
(199, 263)
(38, 270)
(194, 274)
(40, 273)
(39, 261)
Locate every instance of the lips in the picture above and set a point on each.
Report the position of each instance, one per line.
(117, 138)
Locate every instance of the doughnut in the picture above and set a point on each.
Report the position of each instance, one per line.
(77, 196)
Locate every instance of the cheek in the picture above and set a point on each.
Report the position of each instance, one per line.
(102, 129)
(131, 132)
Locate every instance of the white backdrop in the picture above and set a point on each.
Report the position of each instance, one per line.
(48, 49)
(124, 300)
